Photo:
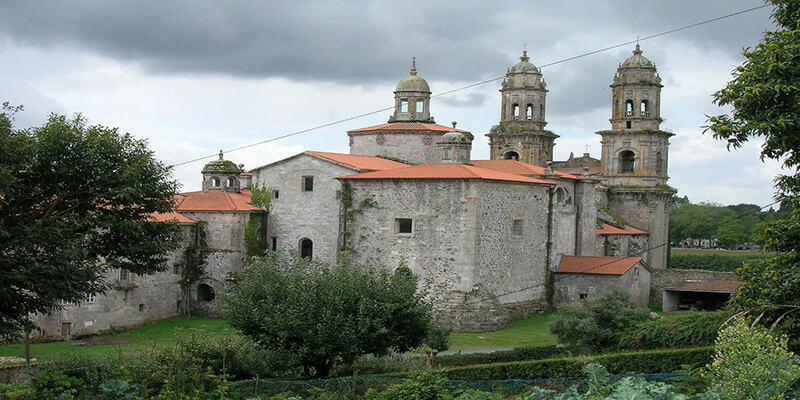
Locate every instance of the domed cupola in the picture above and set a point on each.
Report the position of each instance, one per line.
(454, 147)
(636, 93)
(222, 175)
(412, 98)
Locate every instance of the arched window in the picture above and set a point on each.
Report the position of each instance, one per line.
(561, 195)
(306, 248)
(205, 293)
(231, 182)
(643, 109)
(215, 181)
(529, 112)
(659, 163)
(627, 162)
(511, 155)
(628, 108)
(515, 111)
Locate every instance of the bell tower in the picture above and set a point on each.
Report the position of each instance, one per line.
(635, 153)
(520, 135)
(635, 150)
(412, 98)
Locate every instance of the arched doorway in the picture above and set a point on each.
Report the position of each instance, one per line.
(306, 248)
(205, 292)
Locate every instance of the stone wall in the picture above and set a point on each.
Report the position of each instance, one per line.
(648, 209)
(567, 288)
(623, 245)
(298, 214)
(416, 147)
(670, 278)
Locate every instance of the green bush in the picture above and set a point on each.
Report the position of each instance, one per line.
(597, 321)
(90, 370)
(616, 363)
(688, 329)
(518, 354)
(57, 386)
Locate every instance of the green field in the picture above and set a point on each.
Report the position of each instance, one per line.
(529, 331)
(676, 251)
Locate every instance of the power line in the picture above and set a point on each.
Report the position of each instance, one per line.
(477, 84)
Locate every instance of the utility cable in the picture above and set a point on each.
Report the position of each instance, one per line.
(476, 84)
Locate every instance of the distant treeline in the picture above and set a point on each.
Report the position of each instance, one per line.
(715, 225)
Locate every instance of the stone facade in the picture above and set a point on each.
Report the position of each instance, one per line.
(417, 146)
(571, 288)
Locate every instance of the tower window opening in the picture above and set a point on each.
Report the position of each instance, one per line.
(420, 106)
(445, 154)
(628, 108)
(404, 105)
(231, 182)
(306, 248)
(511, 155)
(643, 109)
(659, 163)
(529, 112)
(464, 155)
(515, 111)
(215, 182)
(628, 124)
(627, 162)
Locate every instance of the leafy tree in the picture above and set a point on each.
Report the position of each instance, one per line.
(74, 202)
(312, 315)
(764, 95)
(598, 321)
(730, 234)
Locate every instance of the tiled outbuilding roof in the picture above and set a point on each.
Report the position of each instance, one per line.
(601, 265)
(446, 171)
(364, 163)
(171, 217)
(607, 229)
(214, 201)
(518, 167)
(709, 286)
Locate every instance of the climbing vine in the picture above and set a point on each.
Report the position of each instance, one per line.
(255, 235)
(349, 214)
(192, 265)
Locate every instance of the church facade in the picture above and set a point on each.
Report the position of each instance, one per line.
(489, 240)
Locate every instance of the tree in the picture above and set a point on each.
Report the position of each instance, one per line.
(74, 202)
(598, 321)
(764, 95)
(312, 315)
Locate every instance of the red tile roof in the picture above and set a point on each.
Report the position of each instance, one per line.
(214, 201)
(517, 167)
(607, 229)
(596, 265)
(446, 171)
(171, 217)
(710, 286)
(364, 163)
(407, 126)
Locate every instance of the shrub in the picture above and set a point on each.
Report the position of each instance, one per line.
(597, 321)
(751, 363)
(518, 354)
(684, 330)
(58, 386)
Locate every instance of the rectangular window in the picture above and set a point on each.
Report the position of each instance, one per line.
(516, 227)
(404, 105)
(90, 298)
(582, 296)
(420, 106)
(276, 194)
(308, 183)
(177, 268)
(274, 243)
(141, 307)
(124, 275)
(403, 225)
(445, 154)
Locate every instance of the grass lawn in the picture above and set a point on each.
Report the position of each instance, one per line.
(156, 334)
(675, 251)
(530, 331)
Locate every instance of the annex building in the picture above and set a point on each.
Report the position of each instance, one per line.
(489, 240)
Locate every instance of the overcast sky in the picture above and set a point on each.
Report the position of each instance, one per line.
(194, 77)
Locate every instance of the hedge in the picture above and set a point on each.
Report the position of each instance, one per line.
(687, 329)
(644, 362)
(713, 262)
(518, 354)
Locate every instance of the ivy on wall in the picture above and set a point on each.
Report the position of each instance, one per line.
(349, 214)
(192, 265)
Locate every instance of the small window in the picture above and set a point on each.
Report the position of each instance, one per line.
(179, 306)
(308, 183)
(204, 293)
(177, 269)
(643, 109)
(274, 243)
(515, 111)
(445, 154)
(628, 108)
(124, 275)
(231, 182)
(561, 196)
(90, 298)
(215, 182)
(404, 105)
(628, 124)
(141, 307)
(582, 296)
(529, 112)
(276, 194)
(403, 225)
(306, 248)
(420, 106)
(516, 227)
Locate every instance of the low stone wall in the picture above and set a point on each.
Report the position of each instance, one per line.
(527, 308)
(668, 278)
(476, 310)
(17, 373)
